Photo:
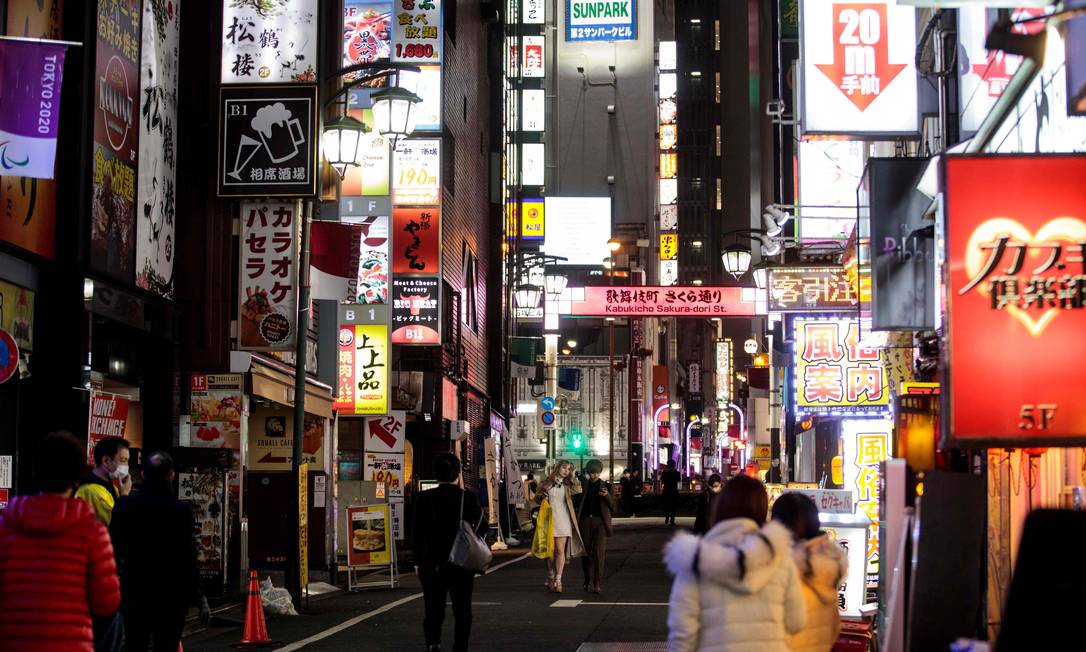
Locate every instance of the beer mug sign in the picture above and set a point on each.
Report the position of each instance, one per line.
(279, 131)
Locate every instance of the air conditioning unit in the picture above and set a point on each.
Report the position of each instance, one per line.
(458, 429)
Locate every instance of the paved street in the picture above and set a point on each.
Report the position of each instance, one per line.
(512, 611)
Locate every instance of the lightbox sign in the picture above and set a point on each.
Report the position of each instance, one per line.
(830, 172)
(363, 364)
(723, 373)
(578, 229)
(1016, 300)
(811, 289)
(589, 20)
(859, 71)
(867, 443)
(835, 372)
(650, 301)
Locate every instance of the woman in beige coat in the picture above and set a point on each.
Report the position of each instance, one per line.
(559, 489)
(822, 566)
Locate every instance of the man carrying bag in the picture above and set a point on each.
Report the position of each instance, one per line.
(446, 558)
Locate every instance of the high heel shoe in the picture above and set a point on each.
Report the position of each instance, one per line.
(557, 586)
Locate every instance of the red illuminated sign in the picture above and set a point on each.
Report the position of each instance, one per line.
(653, 301)
(1016, 299)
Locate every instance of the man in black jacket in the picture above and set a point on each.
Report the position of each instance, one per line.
(595, 507)
(155, 547)
(438, 513)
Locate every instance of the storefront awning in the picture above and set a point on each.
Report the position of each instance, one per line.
(276, 383)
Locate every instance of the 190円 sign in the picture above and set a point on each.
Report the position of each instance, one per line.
(268, 141)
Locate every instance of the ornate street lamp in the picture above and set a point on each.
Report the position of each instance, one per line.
(527, 295)
(394, 112)
(556, 283)
(761, 275)
(340, 143)
(736, 260)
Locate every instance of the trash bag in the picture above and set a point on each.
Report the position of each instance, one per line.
(276, 601)
(544, 532)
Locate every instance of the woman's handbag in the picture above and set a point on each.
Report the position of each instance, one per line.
(544, 532)
(469, 551)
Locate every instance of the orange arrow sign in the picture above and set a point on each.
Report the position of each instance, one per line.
(861, 68)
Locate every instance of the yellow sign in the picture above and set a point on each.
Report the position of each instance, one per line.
(669, 246)
(531, 227)
(669, 165)
(17, 314)
(303, 524)
(363, 369)
(369, 530)
(762, 451)
(836, 371)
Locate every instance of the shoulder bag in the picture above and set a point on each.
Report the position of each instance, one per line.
(469, 551)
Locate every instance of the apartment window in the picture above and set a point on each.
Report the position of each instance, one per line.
(448, 161)
(719, 195)
(718, 140)
(716, 35)
(469, 266)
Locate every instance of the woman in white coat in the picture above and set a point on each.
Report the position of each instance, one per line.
(736, 589)
(559, 489)
(822, 566)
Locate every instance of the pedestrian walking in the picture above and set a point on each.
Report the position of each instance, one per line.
(595, 506)
(56, 561)
(438, 512)
(705, 502)
(638, 486)
(822, 566)
(736, 588)
(670, 480)
(109, 479)
(532, 486)
(625, 483)
(558, 489)
(155, 546)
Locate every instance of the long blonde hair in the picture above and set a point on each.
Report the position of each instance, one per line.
(570, 480)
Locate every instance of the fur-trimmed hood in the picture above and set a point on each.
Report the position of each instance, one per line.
(822, 566)
(734, 554)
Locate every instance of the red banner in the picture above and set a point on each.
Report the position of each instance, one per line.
(661, 399)
(108, 418)
(416, 240)
(657, 301)
(1016, 299)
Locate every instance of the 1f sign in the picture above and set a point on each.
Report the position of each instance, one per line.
(859, 75)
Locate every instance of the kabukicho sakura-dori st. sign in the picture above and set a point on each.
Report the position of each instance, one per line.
(651, 301)
(1015, 300)
(859, 71)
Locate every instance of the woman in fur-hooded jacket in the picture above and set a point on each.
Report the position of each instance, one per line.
(736, 589)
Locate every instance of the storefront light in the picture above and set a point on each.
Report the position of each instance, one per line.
(339, 143)
(394, 111)
(556, 284)
(527, 296)
(736, 260)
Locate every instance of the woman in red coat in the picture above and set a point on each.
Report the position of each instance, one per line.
(56, 560)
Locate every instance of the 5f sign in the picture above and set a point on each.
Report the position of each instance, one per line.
(859, 75)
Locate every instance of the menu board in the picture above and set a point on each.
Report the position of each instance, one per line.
(370, 541)
(204, 491)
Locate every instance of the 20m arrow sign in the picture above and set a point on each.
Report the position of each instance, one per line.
(859, 73)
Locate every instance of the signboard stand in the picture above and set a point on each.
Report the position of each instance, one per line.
(371, 546)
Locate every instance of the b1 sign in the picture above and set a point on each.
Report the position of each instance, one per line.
(859, 74)
(1016, 300)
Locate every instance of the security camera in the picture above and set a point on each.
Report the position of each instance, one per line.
(580, 69)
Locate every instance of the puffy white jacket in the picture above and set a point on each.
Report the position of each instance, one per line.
(736, 589)
(822, 566)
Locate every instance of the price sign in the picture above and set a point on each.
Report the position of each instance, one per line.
(386, 468)
(416, 175)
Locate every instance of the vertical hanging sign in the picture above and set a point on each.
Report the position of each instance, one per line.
(363, 365)
(269, 41)
(268, 269)
(116, 129)
(157, 148)
(417, 33)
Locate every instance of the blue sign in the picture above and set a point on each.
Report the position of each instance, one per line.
(9, 357)
(593, 20)
(547, 418)
(547, 402)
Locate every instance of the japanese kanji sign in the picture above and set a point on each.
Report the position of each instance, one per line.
(157, 179)
(669, 246)
(588, 20)
(533, 63)
(859, 74)
(1016, 299)
(532, 221)
(416, 172)
(416, 310)
(267, 141)
(867, 442)
(650, 301)
(367, 31)
(835, 371)
(363, 364)
(417, 34)
(267, 274)
(269, 42)
(810, 289)
(416, 240)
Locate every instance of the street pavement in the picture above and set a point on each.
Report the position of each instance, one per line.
(511, 609)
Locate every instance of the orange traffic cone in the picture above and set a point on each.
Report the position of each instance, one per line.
(256, 632)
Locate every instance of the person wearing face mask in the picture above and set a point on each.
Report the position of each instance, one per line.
(98, 489)
(705, 502)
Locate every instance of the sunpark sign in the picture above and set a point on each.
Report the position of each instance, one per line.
(601, 21)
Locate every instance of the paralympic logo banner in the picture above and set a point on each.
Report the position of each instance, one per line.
(29, 106)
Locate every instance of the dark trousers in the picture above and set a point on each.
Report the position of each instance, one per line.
(457, 583)
(151, 626)
(671, 505)
(595, 547)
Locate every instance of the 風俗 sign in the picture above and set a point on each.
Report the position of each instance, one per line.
(267, 141)
(1016, 300)
(859, 73)
(835, 372)
(647, 301)
(590, 20)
